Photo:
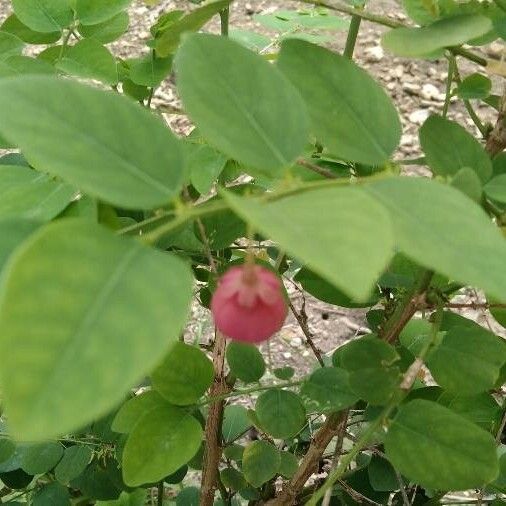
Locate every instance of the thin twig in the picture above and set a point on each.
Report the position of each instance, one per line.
(355, 495)
(316, 168)
(496, 141)
(302, 321)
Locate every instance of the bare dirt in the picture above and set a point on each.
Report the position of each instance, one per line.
(417, 88)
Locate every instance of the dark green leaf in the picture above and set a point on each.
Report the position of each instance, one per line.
(44, 15)
(495, 189)
(382, 475)
(449, 147)
(184, 375)
(239, 102)
(439, 449)
(467, 361)
(235, 423)
(281, 413)
(261, 461)
(92, 12)
(169, 435)
(108, 31)
(474, 86)
(99, 141)
(52, 494)
(60, 319)
(150, 71)
(233, 479)
(73, 463)
(41, 458)
(350, 113)
(245, 361)
(204, 164)
(13, 25)
(288, 464)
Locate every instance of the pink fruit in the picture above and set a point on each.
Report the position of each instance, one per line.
(249, 303)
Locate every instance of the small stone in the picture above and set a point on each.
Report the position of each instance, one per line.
(398, 71)
(391, 86)
(411, 88)
(419, 116)
(287, 354)
(431, 92)
(305, 353)
(296, 342)
(407, 140)
(374, 54)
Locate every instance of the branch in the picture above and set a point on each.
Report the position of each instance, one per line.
(496, 141)
(316, 168)
(331, 428)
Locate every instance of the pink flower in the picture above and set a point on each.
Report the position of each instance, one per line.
(249, 303)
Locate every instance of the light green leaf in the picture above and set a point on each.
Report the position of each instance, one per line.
(10, 45)
(204, 165)
(88, 59)
(281, 413)
(150, 71)
(351, 237)
(92, 12)
(429, 41)
(30, 195)
(133, 409)
(467, 360)
(448, 147)
(97, 140)
(245, 361)
(184, 374)
(433, 446)
(435, 223)
(422, 12)
(12, 233)
(474, 86)
(328, 389)
(13, 25)
(168, 37)
(136, 498)
(108, 31)
(495, 189)
(260, 463)
(73, 463)
(19, 65)
(114, 310)
(350, 113)
(169, 436)
(235, 422)
(241, 103)
(44, 15)
(249, 39)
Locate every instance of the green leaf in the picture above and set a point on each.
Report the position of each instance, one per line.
(288, 464)
(150, 71)
(168, 37)
(133, 409)
(184, 374)
(281, 413)
(136, 498)
(7, 449)
(189, 496)
(467, 361)
(100, 480)
(495, 189)
(98, 141)
(108, 31)
(41, 458)
(353, 233)
(429, 41)
(251, 40)
(204, 165)
(422, 12)
(326, 292)
(19, 65)
(13, 25)
(51, 494)
(435, 223)
(448, 147)
(241, 103)
(382, 475)
(245, 361)
(328, 389)
(260, 463)
(169, 435)
(233, 479)
(92, 12)
(468, 182)
(12, 233)
(284, 373)
(235, 423)
(433, 446)
(73, 463)
(30, 195)
(10, 45)
(415, 334)
(44, 15)
(350, 113)
(474, 86)
(370, 361)
(63, 317)
(88, 59)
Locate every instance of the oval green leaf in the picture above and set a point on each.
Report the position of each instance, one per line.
(245, 361)
(241, 104)
(260, 462)
(44, 16)
(75, 299)
(350, 113)
(99, 141)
